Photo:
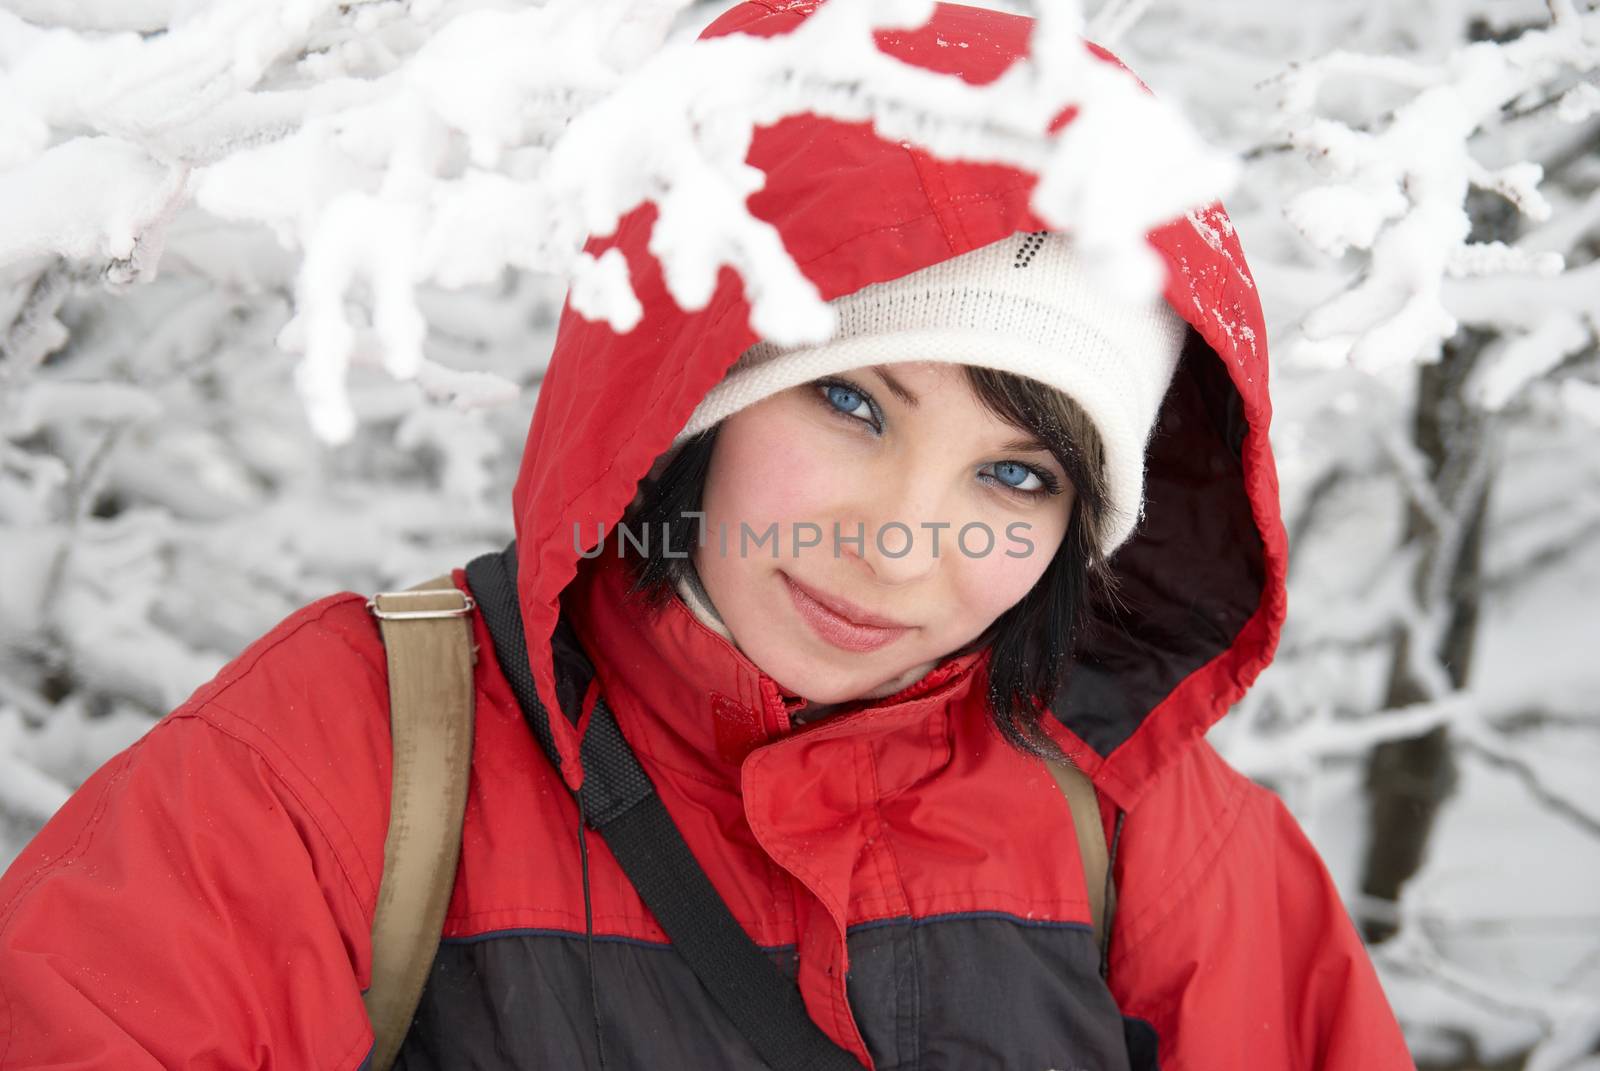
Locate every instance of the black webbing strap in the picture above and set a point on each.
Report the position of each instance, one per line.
(621, 804)
(493, 580)
(766, 1007)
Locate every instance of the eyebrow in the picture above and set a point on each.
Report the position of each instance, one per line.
(897, 388)
(1029, 443)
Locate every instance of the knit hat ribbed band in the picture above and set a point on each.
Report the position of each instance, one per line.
(1024, 305)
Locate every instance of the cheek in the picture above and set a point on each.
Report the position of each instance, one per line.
(767, 468)
(991, 585)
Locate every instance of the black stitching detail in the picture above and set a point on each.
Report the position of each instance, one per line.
(1032, 242)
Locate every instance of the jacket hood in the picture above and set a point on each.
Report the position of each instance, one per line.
(1201, 582)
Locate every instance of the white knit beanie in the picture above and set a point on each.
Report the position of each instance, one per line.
(1025, 305)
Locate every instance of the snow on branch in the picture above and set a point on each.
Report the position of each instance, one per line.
(395, 146)
(1325, 733)
(1397, 188)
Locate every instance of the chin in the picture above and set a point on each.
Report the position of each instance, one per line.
(808, 690)
(844, 687)
(835, 697)
(803, 683)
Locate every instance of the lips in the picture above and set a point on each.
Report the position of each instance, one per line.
(840, 623)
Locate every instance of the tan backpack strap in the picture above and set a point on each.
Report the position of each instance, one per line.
(1091, 832)
(428, 638)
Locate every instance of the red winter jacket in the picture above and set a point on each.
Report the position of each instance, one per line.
(206, 899)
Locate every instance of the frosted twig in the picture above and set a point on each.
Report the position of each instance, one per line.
(1449, 542)
(1569, 1045)
(1321, 735)
(35, 332)
(1302, 81)
(1415, 949)
(1478, 740)
(1114, 19)
(1581, 540)
(1411, 467)
(1562, 13)
(1419, 955)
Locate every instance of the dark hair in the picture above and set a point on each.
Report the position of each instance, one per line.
(1030, 644)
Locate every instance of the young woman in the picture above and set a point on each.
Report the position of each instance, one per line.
(838, 601)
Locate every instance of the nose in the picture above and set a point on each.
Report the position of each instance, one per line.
(907, 533)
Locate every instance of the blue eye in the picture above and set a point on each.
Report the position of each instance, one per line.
(1012, 474)
(844, 399)
(1016, 476)
(852, 402)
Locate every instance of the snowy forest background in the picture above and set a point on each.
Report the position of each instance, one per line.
(277, 283)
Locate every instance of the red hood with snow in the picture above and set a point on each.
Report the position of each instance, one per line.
(1201, 582)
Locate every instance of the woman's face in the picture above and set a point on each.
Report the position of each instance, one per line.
(945, 517)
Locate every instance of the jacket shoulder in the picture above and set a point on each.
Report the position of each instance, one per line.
(1180, 831)
(206, 896)
(311, 698)
(335, 632)
(1231, 942)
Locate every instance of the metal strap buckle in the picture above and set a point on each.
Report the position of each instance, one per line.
(466, 607)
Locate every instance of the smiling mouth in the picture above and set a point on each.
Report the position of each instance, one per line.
(839, 623)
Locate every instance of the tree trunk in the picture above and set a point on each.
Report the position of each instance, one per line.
(1407, 780)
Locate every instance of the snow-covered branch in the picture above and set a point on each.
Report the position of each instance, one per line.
(1397, 188)
(451, 143)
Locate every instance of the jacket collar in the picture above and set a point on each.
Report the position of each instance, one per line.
(681, 689)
